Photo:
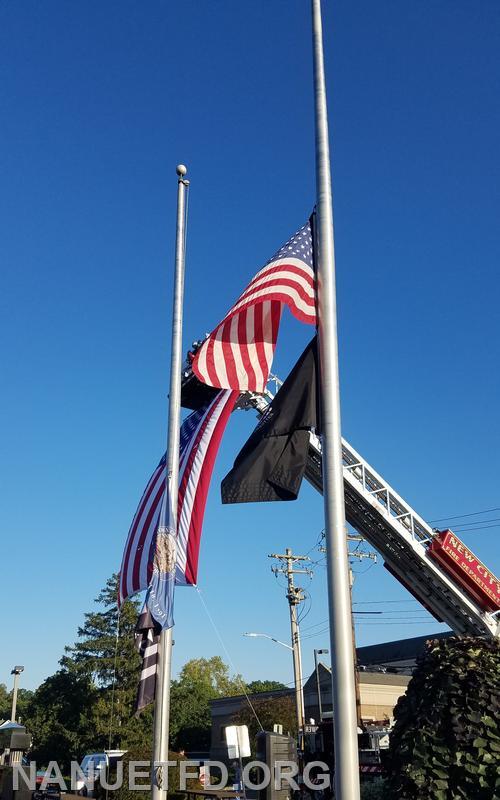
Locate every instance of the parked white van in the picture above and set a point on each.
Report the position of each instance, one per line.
(94, 764)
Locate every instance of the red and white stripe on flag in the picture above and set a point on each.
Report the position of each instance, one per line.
(239, 352)
(201, 434)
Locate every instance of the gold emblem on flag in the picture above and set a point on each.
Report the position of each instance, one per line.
(165, 551)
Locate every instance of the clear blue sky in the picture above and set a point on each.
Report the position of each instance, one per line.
(99, 102)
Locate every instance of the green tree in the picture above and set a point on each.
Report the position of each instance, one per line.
(59, 718)
(88, 705)
(200, 680)
(143, 753)
(374, 790)
(105, 655)
(270, 711)
(446, 741)
(213, 675)
(23, 699)
(5, 703)
(264, 686)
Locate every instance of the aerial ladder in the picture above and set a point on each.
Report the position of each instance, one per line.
(401, 536)
(398, 533)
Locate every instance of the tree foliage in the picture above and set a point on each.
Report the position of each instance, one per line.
(269, 711)
(254, 687)
(105, 655)
(23, 699)
(60, 718)
(5, 703)
(446, 741)
(374, 790)
(143, 753)
(96, 654)
(200, 680)
(88, 705)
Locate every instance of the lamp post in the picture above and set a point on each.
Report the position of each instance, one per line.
(16, 673)
(297, 672)
(266, 636)
(318, 684)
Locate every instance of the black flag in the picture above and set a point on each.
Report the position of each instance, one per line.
(147, 640)
(271, 464)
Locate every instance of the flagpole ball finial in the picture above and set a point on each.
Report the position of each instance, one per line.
(181, 170)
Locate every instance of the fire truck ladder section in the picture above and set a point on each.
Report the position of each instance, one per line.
(400, 535)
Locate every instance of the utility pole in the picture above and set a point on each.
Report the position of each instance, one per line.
(359, 554)
(294, 596)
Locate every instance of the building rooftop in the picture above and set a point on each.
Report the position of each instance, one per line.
(273, 693)
(401, 650)
(398, 657)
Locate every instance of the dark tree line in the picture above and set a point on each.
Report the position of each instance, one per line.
(23, 699)
(88, 704)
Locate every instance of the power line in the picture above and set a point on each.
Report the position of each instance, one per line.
(363, 571)
(403, 621)
(472, 514)
(321, 562)
(320, 537)
(380, 602)
(324, 621)
(394, 615)
(217, 633)
(307, 610)
(482, 528)
(400, 612)
(477, 522)
(368, 612)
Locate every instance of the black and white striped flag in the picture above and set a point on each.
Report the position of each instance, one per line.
(147, 641)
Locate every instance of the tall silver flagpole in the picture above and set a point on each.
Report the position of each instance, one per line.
(162, 695)
(339, 600)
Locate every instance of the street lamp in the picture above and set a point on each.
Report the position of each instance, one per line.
(318, 684)
(16, 673)
(266, 636)
(297, 671)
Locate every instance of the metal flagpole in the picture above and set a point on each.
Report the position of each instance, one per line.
(339, 601)
(162, 694)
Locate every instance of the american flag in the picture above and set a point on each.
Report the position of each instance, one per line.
(200, 438)
(239, 352)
